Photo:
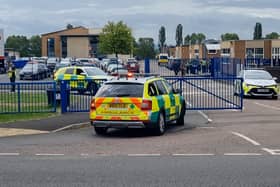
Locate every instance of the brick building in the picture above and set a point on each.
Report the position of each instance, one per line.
(76, 42)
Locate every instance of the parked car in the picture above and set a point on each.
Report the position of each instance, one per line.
(51, 63)
(113, 66)
(257, 83)
(84, 78)
(34, 71)
(132, 65)
(119, 71)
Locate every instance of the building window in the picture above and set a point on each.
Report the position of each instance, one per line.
(64, 47)
(51, 47)
(212, 51)
(196, 51)
(225, 52)
(254, 53)
(276, 53)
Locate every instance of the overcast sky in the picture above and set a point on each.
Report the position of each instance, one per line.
(145, 17)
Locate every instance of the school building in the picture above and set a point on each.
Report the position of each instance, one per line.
(76, 42)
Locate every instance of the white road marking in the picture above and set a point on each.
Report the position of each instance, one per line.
(9, 154)
(136, 155)
(206, 127)
(48, 154)
(207, 154)
(84, 154)
(268, 106)
(272, 151)
(242, 154)
(246, 138)
(202, 113)
(70, 127)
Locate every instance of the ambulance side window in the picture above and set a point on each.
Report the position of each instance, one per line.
(161, 88)
(152, 91)
(79, 71)
(69, 71)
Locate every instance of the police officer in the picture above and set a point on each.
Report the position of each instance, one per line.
(12, 76)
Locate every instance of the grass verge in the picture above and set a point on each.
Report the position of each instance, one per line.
(8, 118)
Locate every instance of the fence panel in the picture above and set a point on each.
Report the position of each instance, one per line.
(76, 95)
(205, 93)
(27, 97)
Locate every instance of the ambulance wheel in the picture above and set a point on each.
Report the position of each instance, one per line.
(100, 130)
(181, 120)
(161, 125)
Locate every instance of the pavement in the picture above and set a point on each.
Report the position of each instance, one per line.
(46, 125)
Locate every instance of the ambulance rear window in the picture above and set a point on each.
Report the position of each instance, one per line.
(121, 90)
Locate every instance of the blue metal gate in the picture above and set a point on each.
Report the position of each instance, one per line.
(207, 93)
(76, 95)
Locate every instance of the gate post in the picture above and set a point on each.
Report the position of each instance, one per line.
(147, 65)
(63, 96)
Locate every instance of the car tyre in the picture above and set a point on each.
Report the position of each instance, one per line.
(181, 120)
(275, 97)
(161, 125)
(100, 130)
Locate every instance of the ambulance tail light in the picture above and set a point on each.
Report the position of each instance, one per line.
(92, 105)
(146, 105)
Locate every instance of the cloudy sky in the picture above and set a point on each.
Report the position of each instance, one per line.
(145, 17)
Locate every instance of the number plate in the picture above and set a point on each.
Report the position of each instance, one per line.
(132, 65)
(118, 105)
(263, 90)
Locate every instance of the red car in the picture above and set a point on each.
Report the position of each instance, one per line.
(132, 65)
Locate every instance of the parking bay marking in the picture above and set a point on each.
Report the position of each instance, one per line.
(202, 113)
(267, 106)
(246, 138)
(272, 151)
(9, 154)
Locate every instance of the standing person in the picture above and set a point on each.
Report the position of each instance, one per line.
(12, 76)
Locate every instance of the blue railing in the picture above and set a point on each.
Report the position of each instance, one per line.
(76, 95)
(206, 93)
(24, 97)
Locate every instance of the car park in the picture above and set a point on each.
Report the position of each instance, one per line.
(34, 71)
(257, 83)
(51, 63)
(147, 102)
(163, 59)
(83, 78)
(119, 71)
(132, 65)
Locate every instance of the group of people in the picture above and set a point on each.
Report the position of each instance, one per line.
(185, 66)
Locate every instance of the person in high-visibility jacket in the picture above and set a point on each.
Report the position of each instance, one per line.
(12, 76)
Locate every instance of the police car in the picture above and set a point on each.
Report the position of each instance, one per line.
(257, 83)
(82, 78)
(149, 102)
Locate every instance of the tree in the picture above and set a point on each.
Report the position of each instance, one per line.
(179, 37)
(229, 36)
(69, 26)
(116, 38)
(193, 38)
(200, 38)
(145, 48)
(161, 37)
(273, 35)
(258, 31)
(18, 43)
(35, 45)
(187, 40)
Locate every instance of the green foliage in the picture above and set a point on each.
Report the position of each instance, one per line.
(187, 40)
(26, 47)
(200, 38)
(229, 36)
(145, 48)
(116, 38)
(258, 31)
(35, 45)
(161, 37)
(18, 43)
(193, 38)
(69, 26)
(273, 35)
(179, 35)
